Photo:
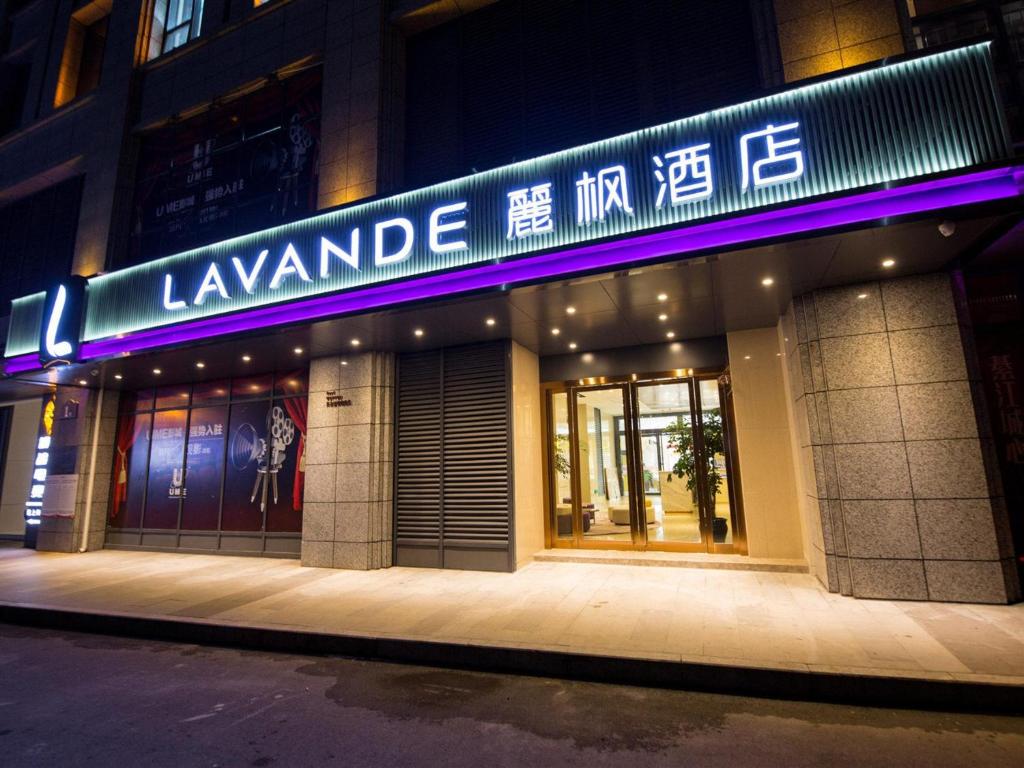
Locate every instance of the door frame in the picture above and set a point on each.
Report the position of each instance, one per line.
(638, 527)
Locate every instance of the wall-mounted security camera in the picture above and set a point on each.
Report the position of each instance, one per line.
(947, 228)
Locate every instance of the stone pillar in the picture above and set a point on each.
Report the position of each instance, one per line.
(71, 449)
(347, 506)
(909, 506)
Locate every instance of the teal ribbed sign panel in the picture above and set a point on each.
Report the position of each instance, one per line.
(892, 123)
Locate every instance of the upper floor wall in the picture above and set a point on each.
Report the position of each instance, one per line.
(412, 91)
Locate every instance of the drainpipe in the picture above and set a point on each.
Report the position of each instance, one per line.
(92, 471)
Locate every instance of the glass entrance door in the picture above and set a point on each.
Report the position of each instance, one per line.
(643, 464)
(665, 412)
(604, 508)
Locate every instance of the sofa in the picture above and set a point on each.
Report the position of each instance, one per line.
(619, 513)
(563, 518)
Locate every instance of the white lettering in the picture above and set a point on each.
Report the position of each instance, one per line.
(212, 282)
(379, 258)
(350, 257)
(290, 264)
(792, 162)
(249, 280)
(168, 289)
(56, 348)
(437, 228)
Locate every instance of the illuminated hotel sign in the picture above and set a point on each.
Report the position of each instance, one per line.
(61, 326)
(930, 115)
(41, 462)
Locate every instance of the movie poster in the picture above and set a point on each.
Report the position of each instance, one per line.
(131, 454)
(166, 471)
(264, 470)
(242, 166)
(204, 466)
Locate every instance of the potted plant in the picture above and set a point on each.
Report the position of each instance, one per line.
(680, 439)
(561, 461)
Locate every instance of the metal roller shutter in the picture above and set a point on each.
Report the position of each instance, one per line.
(418, 460)
(453, 505)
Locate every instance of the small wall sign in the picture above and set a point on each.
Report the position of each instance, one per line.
(337, 400)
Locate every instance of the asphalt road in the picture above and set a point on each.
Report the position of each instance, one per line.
(70, 699)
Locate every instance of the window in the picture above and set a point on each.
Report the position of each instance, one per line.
(245, 164)
(13, 91)
(45, 222)
(175, 22)
(219, 457)
(83, 53)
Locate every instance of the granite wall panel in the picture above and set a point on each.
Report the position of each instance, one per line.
(896, 467)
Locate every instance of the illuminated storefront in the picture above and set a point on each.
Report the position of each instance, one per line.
(416, 448)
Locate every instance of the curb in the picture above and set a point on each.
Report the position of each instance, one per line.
(827, 687)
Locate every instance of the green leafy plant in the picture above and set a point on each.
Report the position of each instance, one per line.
(561, 459)
(680, 439)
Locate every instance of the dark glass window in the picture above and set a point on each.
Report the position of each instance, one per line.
(165, 479)
(14, 77)
(521, 78)
(253, 386)
(204, 467)
(208, 392)
(243, 482)
(42, 223)
(131, 459)
(224, 455)
(94, 43)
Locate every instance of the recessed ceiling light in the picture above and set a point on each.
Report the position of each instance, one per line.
(888, 263)
(746, 357)
(344, 362)
(570, 310)
(157, 371)
(200, 364)
(572, 345)
(83, 382)
(118, 376)
(418, 332)
(670, 335)
(662, 297)
(768, 281)
(246, 358)
(663, 317)
(859, 296)
(355, 342)
(555, 331)
(298, 350)
(490, 321)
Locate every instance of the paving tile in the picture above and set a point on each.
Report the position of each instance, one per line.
(756, 619)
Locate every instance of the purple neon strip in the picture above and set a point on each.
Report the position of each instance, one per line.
(925, 196)
(21, 363)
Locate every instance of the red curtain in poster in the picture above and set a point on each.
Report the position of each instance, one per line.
(296, 408)
(126, 436)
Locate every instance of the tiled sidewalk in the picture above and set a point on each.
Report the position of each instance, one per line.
(736, 618)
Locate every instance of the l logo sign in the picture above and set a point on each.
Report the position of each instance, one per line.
(61, 321)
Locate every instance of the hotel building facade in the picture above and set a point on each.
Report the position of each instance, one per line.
(463, 284)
